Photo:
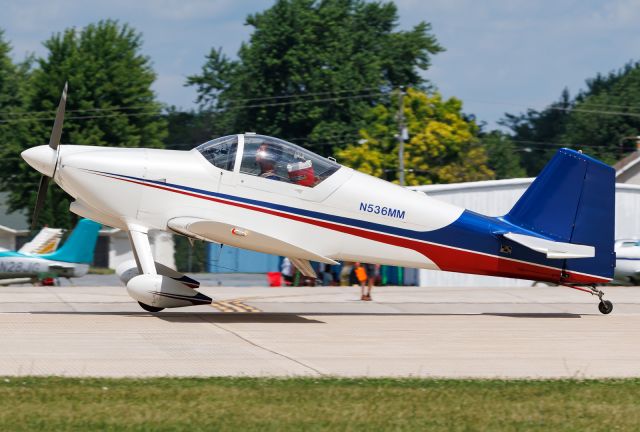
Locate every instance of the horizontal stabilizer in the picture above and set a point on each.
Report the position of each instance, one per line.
(552, 249)
(304, 266)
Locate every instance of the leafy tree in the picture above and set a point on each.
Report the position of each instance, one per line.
(189, 258)
(540, 132)
(597, 120)
(13, 85)
(311, 69)
(504, 156)
(110, 103)
(186, 129)
(443, 146)
(11, 95)
(602, 118)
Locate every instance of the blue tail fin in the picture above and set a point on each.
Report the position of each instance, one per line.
(80, 245)
(573, 201)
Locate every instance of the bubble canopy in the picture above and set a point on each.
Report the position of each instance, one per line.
(268, 157)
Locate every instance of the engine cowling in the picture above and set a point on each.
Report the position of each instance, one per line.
(164, 292)
(129, 269)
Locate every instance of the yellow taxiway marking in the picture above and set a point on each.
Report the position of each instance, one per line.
(231, 306)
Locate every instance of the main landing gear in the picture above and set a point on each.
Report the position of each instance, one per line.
(605, 306)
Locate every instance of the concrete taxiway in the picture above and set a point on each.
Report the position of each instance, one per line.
(534, 332)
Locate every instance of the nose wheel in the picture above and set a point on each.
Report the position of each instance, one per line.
(605, 306)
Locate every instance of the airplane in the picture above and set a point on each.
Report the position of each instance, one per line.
(70, 261)
(627, 269)
(269, 195)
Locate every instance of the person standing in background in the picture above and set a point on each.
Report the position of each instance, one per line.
(361, 276)
(345, 273)
(373, 273)
(287, 271)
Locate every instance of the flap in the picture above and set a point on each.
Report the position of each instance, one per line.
(243, 237)
(553, 250)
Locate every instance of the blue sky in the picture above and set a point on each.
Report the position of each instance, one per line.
(502, 55)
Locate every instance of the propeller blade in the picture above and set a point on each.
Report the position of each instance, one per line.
(56, 132)
(42, 195)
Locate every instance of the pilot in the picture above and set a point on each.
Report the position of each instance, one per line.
(267, 158)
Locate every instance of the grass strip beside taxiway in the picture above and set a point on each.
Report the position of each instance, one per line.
(61, 404)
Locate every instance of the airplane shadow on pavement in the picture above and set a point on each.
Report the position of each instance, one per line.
(292, 318)
(535, 315)
(199, 317)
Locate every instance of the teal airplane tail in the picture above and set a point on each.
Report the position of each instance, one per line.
(80, 245)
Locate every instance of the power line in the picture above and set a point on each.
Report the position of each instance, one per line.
(115, 108)
(156, 113)
(304, 94)
(236, 104)
(232, 101)
(554, 105)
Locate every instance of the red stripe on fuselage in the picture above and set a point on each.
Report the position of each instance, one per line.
(445, 257)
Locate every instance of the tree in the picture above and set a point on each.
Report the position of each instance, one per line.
(540, 132)
(187, 129)
(13, 85)
(11, 95)
(504, 156)
(190, 257)
(311, 69)
(110, 103)
(597, 120)
(443, 146)
(602, 118)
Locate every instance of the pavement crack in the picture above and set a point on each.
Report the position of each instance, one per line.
(51, 290)
(250, 342)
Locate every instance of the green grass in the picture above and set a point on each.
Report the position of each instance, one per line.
(249, 404)
(101, 271)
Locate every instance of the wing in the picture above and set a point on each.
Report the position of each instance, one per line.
(247, 237)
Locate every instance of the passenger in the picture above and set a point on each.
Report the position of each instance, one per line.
(267, 159)
(301, 173)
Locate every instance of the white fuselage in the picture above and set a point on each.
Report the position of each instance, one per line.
(121, 187)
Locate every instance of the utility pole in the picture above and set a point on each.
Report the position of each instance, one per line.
(402, 136)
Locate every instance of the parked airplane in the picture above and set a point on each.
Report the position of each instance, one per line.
(269, 195)
(71, 260)
(627, 261)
